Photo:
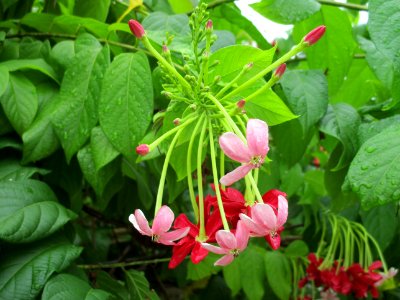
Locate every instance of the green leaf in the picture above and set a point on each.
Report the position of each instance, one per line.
(229, 17)
(79, 94)
(158, 23)
(334, 51)
(181, 6)
(342, 122)
(115, 287)
(383, 29)
(278, 273)
(232, 276)
(252, 272)
(381, 222)
(358, 87)
(38, 64)
(138, 286)
(3, 79)
(286, 11)
(33, 265)
(20, 102)
(92, 9)
(6, 142)
(203, 269)
(11, 170)
(40, 21)
(368, 130)
(66, 286)
(62, 54)
(374, 172)
(98, 179)
(102, 150)
(126, 103)
(29, 211)
(297, 249)
(5, 126)
(232, 59)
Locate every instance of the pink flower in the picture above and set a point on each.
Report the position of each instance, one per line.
(264, 221)
(142, 149)
(386, 276)
(231, 245)
(161, 224)
(136, 28)
(251, 155)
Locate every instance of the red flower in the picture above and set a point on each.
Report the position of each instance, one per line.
(190, 244)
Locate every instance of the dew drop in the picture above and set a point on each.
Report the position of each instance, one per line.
(364, 167)
(396, 195)
(370, 149)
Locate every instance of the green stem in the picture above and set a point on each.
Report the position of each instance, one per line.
(202, 231)
(345, 5)
(299, 47)
(232, 82)
(227, 116)
(164, 173)
(123, 265)
(189, 169)
(172, 131)
(215, 177)
(255, 188)
(167, 65)
(263, 89)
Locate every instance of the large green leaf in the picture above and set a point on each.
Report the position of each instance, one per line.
(115, 287)
(252, 272)
(286, 11)
(92, 9)
(80, 93)
(138, 286)
(384, 32)
(181, 6)
(342, 122)
(232, 276)
(334, 51)
(381, 222)
(29, 211)
(20, 102)
(126, 103)
(11, 170)
(66, 286)
(375, 171)
(102, 150)
(4, 76)
(38, 64)
(25, 270)
(203, 269)
(157, 24)
(278, 273)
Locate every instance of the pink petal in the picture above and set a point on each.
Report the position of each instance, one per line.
(214, 249)
(235, 175)
(175, 234)
(264, 215)
(234, 147)
(282, 211)
(253, 227)
(274, 242)
(163, 220)
(257, 137)
(224, 260)
(166, 242)
(242, 235)
(139, 221)
(226, 239)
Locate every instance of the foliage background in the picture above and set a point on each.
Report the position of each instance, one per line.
(78, 93)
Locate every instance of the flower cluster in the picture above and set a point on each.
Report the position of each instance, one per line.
(353, 280)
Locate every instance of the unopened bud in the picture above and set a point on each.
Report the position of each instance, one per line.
(314, 35)
(142, 149)
(273, 43)
(241, 103)
(280, 70)
(248, 66)
(177, 121)
(209, 25)
(136, 28)
(193, 107)
(217, 78)
(165, 49)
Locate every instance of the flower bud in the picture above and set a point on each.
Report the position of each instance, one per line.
(241, 103)
(142, 149)
(177, 121)
(136, 28)
(165, 49)
(314, 35)
(280, 70)
(209, 25)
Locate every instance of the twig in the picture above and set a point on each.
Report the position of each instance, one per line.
(345, 5)
(124, 264)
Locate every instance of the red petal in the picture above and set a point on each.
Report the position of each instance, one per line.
(180, 251)
(198, 253)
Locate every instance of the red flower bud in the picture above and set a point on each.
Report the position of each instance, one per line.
(314, 35)
(136, 28)
(273, 43)
(241, 103)
(209, 25)
(165, 48)
(142, 149)
(177, 121)
(280, 70)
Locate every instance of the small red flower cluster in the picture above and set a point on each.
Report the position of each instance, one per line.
(352, 280)
(234, 205)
